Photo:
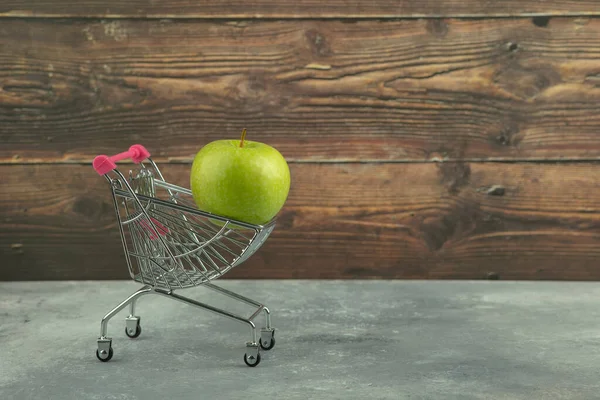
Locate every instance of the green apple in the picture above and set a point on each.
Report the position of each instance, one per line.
(240, 179)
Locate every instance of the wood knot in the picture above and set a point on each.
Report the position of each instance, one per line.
(541, 21)
(437, 27)
(286, 219)
(454, 175)
(526, 83)
(456, 222)
(90, 207)
(257, 83)
(509, 135)
(318, 44)
(496, 190)
(253, 93)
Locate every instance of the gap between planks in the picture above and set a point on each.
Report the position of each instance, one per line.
(258, 18)
(342, 161)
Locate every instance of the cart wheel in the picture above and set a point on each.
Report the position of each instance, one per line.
(252, 362)
(107, 358)
(138, 332)
(269, 344)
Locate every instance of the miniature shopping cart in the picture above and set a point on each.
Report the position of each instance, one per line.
(169, 244)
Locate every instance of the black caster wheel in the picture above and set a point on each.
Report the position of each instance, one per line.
(271, 344)
(110, 354)
(251, 361)
(138, 332)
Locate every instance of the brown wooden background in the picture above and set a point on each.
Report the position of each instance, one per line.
(426, 139)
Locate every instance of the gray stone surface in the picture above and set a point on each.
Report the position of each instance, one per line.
(335, 340)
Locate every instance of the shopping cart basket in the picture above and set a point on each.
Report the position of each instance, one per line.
(169, 244)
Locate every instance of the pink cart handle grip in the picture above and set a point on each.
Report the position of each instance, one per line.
(104, 164)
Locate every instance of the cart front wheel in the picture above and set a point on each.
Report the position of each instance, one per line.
(133, 335)
(252, 361)
(104, 357)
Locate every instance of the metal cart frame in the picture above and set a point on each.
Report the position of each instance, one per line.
(169, 244)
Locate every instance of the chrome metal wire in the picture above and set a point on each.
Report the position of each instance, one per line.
(169, 243)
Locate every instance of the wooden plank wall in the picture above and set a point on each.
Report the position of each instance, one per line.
(426, 139)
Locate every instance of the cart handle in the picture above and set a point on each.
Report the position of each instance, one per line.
(104, 164)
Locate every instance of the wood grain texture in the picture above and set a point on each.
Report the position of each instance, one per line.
(293, 9)
(501, 89)
(431, 220)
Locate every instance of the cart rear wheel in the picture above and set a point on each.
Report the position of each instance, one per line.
(252, 361)
(268, 345)
(138, 332)
(107, 358)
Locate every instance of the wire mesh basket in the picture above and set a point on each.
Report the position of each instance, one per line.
(171, 244)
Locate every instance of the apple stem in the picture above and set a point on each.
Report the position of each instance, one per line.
(243, 137)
